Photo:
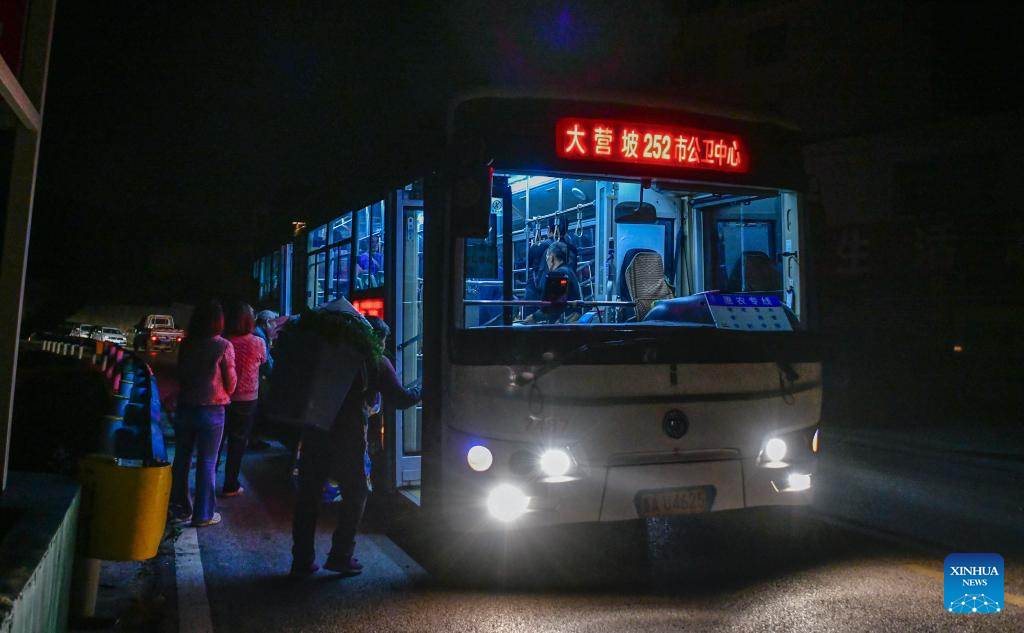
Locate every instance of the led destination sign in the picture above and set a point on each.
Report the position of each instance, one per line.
(645, 144)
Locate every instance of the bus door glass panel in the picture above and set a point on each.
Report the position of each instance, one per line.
(370, 247)
(285, 306)
(746, 256)
(338, 272)
(315, 279)
(409, 341)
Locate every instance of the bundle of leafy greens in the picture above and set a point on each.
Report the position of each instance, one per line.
(341, 328)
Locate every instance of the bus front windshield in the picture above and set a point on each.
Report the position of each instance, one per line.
(597, 253)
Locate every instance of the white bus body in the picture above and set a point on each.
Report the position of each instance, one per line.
(596, 415)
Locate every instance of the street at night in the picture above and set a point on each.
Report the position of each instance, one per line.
(867, 555)
(718, 575)
(696, 315)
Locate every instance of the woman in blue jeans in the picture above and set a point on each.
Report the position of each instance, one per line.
(206, 379)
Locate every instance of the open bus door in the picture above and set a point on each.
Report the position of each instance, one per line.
(408, 434)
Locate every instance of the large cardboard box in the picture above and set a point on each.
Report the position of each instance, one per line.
(310, 380)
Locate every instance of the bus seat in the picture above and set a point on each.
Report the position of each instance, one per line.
(627, 259)
(624, 293)
(645, 279)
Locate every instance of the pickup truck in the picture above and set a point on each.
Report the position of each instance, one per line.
(156, 333)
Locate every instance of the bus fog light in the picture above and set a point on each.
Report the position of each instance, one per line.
(555, 463)
(507, 503)
(798, 482)
(775, 449)
(479, 458)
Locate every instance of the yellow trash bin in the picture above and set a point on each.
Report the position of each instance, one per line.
(124, 508)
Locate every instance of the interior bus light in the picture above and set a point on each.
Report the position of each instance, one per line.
(507, 503)
(814, 441)
(555, 463)
(479, 458)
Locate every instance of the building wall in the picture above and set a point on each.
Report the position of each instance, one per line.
(37, 553)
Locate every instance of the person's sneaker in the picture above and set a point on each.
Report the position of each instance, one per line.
(349, 566)
(214, 520)
(232, 493)
(179, 519)
(303, 571)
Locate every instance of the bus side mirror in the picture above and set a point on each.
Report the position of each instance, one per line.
(471, 201)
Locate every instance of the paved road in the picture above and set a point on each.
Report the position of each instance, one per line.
(719, 573)
(683, 576)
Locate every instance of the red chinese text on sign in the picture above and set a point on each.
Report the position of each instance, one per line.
(638, 143)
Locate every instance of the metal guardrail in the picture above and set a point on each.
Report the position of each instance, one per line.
(132, 382)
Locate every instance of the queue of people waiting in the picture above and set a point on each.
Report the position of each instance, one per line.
(219, 368)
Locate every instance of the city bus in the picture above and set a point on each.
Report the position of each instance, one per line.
(609, 303)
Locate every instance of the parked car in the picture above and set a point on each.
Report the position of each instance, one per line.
(111, 334)
(156, 333)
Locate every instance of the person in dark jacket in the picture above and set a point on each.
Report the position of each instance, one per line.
(536, 265)
(340, 454)
(556, 258)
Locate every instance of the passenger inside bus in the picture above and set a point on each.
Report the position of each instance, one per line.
(683, 241)
(560, 285)
(536, 261)
(370, 265)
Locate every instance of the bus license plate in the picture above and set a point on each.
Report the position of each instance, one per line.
(659, 503)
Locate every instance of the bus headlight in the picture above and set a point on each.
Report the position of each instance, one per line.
(798, 482)
(555, 463)
(775, 449)
(479, 458)
(507, 503)
(786, 449)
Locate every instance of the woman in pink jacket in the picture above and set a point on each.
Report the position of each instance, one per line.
(250, 355)
(206, 377)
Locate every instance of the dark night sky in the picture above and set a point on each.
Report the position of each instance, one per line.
(166, 130)
(169, 132)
